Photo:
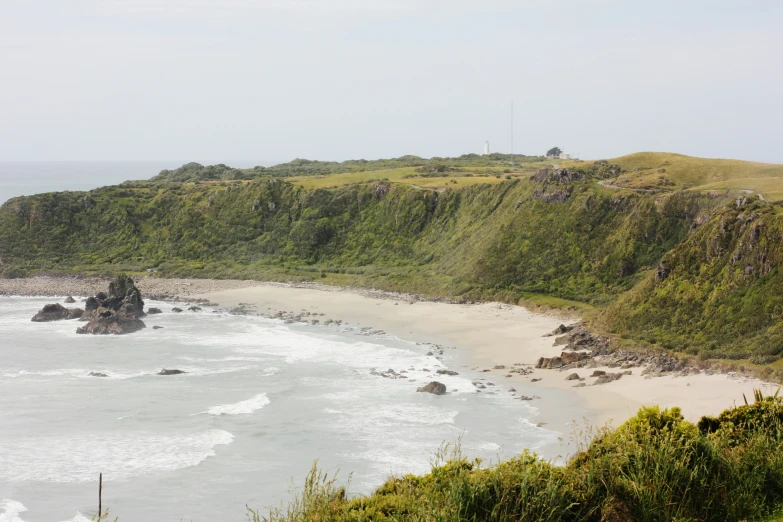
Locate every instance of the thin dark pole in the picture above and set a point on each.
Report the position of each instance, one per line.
(100, 496)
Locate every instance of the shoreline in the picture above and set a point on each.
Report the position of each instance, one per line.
(490, 338)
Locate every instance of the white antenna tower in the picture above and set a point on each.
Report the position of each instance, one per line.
(512, 129)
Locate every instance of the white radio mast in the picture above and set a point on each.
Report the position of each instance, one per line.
(512, 129)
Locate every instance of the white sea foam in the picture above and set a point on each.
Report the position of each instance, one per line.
(11, 510)
(248, 406)
(79, 458)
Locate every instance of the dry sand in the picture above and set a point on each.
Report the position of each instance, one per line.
(498, 334)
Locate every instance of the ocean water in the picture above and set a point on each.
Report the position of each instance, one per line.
(262, 400)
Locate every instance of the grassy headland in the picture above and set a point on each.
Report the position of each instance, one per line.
(645, 242)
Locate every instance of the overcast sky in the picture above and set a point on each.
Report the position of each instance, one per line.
(271, 80)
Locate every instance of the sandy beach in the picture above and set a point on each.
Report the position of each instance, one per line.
(494, 334)
(486, 335)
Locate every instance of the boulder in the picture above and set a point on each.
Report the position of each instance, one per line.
(56, 312)
(97, 374)
(69, 300)
(607, 378)
(164, 371)
(573, 377)
(598, 373)
(560, 330)
(195, 308)
(153, 311)
(176, 310)
(156, 327)
(111, 324)
(550, 363)
(434, 387)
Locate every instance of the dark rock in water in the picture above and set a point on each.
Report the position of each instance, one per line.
(446, 372)
(164, 371)
(153, 311)
(97, 374)
(176, 310)
(156, 327)
(434, 387)
(70, 300)
(117, 312)
(598, 373)
(111, 325)
(56, 312)
(195, 308)
(573, 377)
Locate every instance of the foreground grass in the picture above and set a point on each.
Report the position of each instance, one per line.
(655, 467)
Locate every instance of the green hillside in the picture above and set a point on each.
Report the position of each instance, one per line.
(473, 227)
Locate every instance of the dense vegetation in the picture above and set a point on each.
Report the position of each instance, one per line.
(655, 467)
(303, 167)
(689, 270)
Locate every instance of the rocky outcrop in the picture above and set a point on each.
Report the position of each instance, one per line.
(164, 371)
(153, 311)
(69, 300)
(559, 176)
(434, 387)
(56, 312)
(195, 308)
(176, 310)
(118, 312)
(573, 377)
(558, 196)
(97, 374)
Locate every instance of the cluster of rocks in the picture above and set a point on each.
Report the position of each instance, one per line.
(582, 349)
(389, 374)
(117, 312)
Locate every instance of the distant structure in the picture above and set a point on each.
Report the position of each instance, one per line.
(486, 148)
(564, 156)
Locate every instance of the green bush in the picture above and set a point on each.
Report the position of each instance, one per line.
(655, 467)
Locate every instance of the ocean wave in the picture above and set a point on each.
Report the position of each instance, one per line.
(11, 510)
(249, 406)
(80, 458)
(81, 373)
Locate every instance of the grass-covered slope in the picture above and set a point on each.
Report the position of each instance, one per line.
(668, 171)
(477, 240)
(718, 293)
(655, 467)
